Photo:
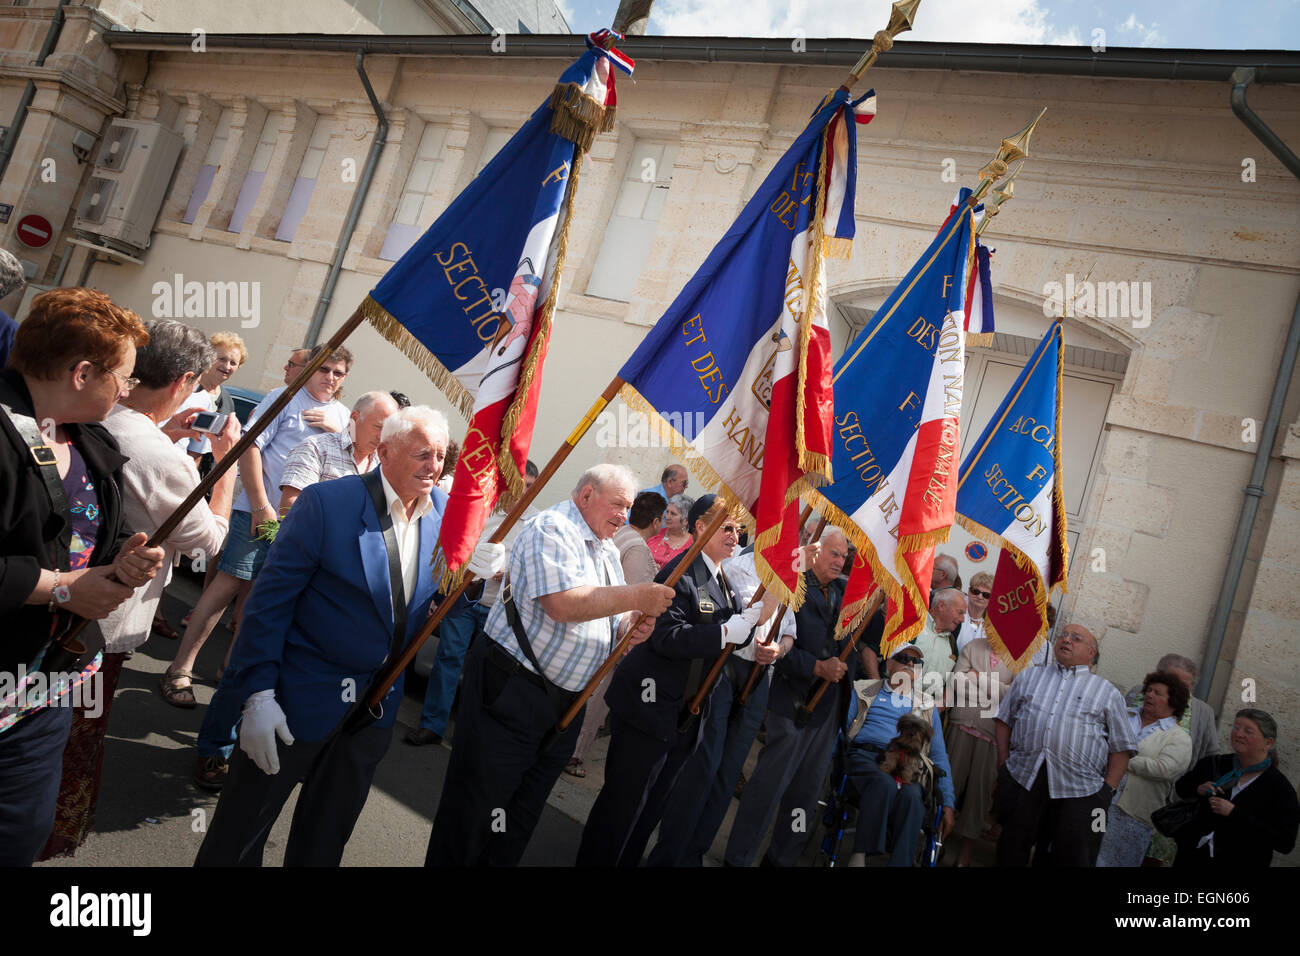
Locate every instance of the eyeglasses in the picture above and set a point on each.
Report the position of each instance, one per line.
(128, 383)
(332, 373)
(909, 660)
(729, 529)
(984, 594)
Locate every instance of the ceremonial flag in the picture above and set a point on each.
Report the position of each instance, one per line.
(743, 352)
(1010, 495)
(472, 301)
(979, 300)
(898, 392)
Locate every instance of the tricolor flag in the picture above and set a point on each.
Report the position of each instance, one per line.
(979, 300)
(898, 393)
(1010, 495)
(744, 350)
(472, 301)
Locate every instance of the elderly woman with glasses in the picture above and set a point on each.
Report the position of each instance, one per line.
(66, 551)
(675, 537)
(1246, 807)
(977, 602)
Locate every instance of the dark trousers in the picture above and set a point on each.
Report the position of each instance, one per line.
(890, 815)
(499, 776)
(698, 803)
(1064, 830)
(335, 774)
(31, 766)
(640, 771)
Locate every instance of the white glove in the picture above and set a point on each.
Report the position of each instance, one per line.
(735, 629)
(487, 561)
(263, 722)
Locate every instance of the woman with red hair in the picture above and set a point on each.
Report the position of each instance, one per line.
(64, 553)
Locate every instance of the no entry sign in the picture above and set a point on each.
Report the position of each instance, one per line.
(34, 231)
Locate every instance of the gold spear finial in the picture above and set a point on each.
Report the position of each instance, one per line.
(1009, 150)
(1003, 194)
(900, 21)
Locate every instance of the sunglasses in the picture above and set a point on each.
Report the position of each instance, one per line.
(983, 594)
(332, 373)
(729, 529)
(910, 660)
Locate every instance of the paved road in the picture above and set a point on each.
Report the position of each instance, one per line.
(150, 814)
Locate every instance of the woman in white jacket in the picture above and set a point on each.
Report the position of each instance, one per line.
(1164, 754)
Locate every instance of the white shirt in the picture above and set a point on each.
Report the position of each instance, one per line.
(743, 578)
(200, 399)
(407, 531)
(971, 630)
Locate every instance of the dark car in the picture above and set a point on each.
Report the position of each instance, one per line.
(245, 401)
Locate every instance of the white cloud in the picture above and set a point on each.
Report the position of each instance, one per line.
(1143, 34)
(952, 21)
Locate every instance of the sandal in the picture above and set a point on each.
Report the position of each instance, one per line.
(574, 768)
(177, 688)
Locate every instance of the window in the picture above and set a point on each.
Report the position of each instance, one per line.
(415, 210)
(256, 174)
(626, 244)
(211, 162)
(305, 184)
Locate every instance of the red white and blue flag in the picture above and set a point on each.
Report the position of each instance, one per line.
(1010, 495)
(744, 350)
(473, 299)
(898, 394)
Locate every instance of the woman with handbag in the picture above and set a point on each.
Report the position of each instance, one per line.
(64, 553)
(1164, 752)
(1245, 809)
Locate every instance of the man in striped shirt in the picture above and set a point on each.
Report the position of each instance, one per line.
(1064, 741)
(563, 606)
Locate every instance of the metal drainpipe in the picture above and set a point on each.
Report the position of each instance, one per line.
(354, 211)
(1254, 491)
(29, 92)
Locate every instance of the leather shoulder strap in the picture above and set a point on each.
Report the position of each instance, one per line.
(47, 467)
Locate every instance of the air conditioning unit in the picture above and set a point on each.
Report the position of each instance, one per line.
(128, 183)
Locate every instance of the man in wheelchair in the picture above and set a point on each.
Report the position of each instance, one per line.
(892, 761)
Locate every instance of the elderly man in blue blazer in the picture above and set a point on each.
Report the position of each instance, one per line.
(319, 625)
(648, 691)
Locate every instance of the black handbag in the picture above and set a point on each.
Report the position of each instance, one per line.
(1173, 818)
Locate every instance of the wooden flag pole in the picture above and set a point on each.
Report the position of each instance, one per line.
(69, 641)
(804, 712)
(756, 668)
(394, 669)
(711, 678)
(719, 514)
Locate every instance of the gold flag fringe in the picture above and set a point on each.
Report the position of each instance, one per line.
(979, 340)
(685, 452)
(540, 340)
(811, 463)
(768, 576)
(577, 116)
(393, 330)
(837, 247)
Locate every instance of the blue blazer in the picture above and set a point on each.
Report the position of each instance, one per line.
(319, 621)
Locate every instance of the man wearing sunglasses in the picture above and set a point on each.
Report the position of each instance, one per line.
(648, 743)
(890, 812)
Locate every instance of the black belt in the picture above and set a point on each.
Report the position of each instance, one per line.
(502, 659)
(869, 748)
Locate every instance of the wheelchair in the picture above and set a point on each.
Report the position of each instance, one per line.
(840, 810)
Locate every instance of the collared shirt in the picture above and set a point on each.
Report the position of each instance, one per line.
(881, 726)
(492, 588)
(282, 436)
(558, 551)
(408, 533)
(1142, 733)
(1068, 718)
(743, 578)
(935, 647)
(323, 457)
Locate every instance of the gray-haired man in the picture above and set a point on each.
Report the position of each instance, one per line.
(563, 606)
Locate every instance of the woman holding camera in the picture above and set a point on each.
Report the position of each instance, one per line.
(1246, 808)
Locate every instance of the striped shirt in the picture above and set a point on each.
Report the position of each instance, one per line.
(323, 457)
(1069, 719)
(558, 551)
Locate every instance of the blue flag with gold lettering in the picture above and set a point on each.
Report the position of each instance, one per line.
(1009, 494)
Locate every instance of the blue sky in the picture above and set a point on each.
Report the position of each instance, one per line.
(1191, 24)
